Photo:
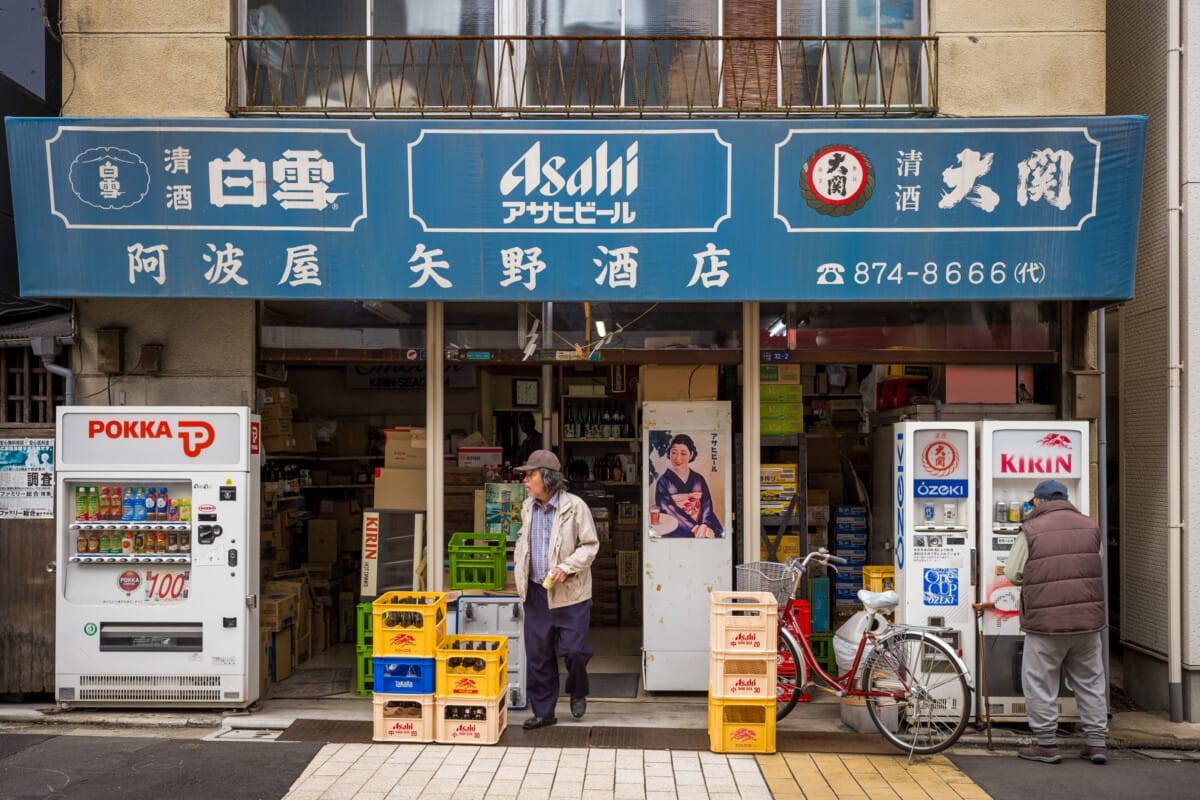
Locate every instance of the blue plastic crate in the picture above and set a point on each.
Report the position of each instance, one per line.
(404, 675)
(818, 601)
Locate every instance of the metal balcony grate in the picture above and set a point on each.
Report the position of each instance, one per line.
(581, 76)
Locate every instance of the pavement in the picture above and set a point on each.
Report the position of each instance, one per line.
(369, 771)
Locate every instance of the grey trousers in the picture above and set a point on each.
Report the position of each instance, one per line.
(1081, 656)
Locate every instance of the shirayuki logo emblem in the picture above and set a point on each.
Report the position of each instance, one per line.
(109, 178)
(837, 180)
(196, 436)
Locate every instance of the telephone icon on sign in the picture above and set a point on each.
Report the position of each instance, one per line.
(831, 274)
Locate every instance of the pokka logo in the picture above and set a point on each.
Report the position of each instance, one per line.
(403, 641)
(744, 736)
(466, 686)
(195, 435)
(939, 459)
(129, 581)
(837, 180)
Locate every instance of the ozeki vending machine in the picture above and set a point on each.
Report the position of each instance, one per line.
(934, 538)
(1015, 456)
(156, 589)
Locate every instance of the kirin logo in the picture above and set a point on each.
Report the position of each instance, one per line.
(466, 686)
(1055, 440)
(743, 735)
(403, 641)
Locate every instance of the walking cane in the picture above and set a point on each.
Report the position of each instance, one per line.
(983, 683)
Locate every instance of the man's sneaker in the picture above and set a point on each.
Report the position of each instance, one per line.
(1096, 755)
(1035, 752)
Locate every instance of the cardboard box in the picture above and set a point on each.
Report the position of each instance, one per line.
(781, 411)
(779, 373)
(480, 456)
(630, 601)
(400, 488)
(777, 473)
(781, 427)
(323, 540)
(276, 612)
(818, 515)
(830, 482)
(281, 653)
(781, 393)
(980, 383)
(404, 447)
(350, 438)
(679, 382)
(306, 437)
(629, 567)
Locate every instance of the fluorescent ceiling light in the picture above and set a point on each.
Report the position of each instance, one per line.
(778, 327)
(388, 311)
(601, 329)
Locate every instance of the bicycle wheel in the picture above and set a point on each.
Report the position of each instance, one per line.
(790, 676)
(931, 699)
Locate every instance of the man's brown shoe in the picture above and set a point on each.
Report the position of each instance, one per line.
(1035, 752)
(1096, 755)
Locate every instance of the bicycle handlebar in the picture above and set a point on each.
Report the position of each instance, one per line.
(821, 555)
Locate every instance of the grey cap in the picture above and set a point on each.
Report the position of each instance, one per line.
(541, 459)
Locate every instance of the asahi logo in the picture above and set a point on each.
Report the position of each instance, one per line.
(746, 685)
(401, 727)
(195, 435)
(466, 730)
(749, 639)
(554, 174)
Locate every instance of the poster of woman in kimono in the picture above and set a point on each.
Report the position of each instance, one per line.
(686, 473)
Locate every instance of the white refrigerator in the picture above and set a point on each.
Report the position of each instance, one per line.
(1014, 457)
(933, 465)
(687, 539)
(156, 602)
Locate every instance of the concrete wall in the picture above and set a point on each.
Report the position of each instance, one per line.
(1019, 57)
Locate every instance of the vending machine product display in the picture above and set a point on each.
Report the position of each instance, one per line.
(1014, 457)
(156, 586)
(934, 536)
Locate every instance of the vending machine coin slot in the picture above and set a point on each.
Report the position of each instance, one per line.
(205, 534)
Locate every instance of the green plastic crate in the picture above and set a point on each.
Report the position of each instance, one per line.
(365, 626)
(366, 670)
(822, 647)
(478, 561)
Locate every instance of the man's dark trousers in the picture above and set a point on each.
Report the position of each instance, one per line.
(543, 625)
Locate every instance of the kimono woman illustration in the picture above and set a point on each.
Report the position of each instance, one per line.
(684, 496)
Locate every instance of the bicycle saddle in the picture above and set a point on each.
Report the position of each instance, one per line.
(879, 601)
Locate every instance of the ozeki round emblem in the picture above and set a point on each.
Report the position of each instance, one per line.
(837, 180)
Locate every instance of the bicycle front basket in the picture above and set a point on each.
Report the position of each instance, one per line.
(768, 576)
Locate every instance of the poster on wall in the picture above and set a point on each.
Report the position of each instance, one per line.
(26, 478)
(686, 476)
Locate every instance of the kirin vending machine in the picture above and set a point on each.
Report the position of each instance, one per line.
(1014, 457)
(156, 520)
(934, 537)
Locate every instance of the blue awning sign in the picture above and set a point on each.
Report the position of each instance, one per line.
(654, 210)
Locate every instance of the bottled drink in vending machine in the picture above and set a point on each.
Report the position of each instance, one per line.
(93, 504)
(173, 511)
(81, 504)
(151, 504)
(81, 543)
(139, 504)
(127, 505)
(104, 504)
(163, 503)
(185, 510)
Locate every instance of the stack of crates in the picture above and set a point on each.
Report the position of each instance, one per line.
(743, 642)
(472, 690)
(364, 651)
(407, 628)
(850, 542)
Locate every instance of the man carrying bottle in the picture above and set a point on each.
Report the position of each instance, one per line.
(552, 562)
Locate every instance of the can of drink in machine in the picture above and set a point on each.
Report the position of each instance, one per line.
(1026, 509)
(1001, 511)
(930, 513)
(950, 513)
(1014, 512)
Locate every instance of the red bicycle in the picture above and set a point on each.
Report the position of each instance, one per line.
(916, 687)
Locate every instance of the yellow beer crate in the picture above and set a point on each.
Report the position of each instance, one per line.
(408, 624)
(879, 578)
(472, 666)
(741, 726)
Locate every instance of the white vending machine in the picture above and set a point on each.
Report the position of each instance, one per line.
(934, 538)
(1015, 456)
(687, 544)
(156, 586)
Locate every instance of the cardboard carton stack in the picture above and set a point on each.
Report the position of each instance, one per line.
(627, 545)
(400, 483)
(781, 399)
(850, 532)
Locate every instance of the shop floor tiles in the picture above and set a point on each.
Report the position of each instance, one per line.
(607, 684)
(311, 682)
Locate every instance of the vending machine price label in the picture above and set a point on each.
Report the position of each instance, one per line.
(166, 586)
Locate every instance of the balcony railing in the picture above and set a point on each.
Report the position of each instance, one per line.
(581, 76)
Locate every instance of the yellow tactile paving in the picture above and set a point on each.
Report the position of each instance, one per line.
(823, 776)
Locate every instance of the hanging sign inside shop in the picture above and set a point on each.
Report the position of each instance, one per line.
(518, 211)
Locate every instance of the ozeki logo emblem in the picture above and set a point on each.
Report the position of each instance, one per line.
(196, 435)
(744, 735)
(403, 641)
(466, 686)
(745, 640)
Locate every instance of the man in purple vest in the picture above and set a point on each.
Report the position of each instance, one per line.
(1056, 562)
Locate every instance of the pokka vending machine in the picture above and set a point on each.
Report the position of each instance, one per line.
(1014, 458)
(934, 539)
(156, 518)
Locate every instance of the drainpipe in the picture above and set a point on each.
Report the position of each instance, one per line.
(1174, 368)
(1102, 479)
(46, 348)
